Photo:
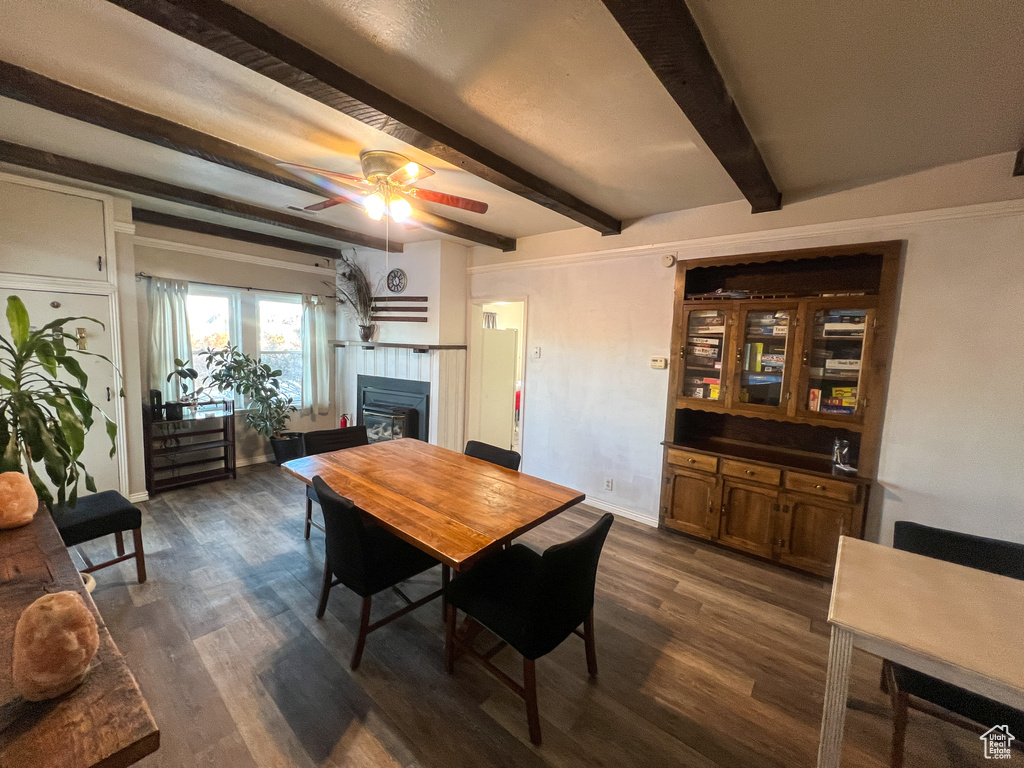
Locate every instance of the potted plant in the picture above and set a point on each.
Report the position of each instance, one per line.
(269, 410)
(186, 376)
(44, 420)
(354, 293)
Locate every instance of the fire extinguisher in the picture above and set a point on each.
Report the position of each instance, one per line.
(344, 421)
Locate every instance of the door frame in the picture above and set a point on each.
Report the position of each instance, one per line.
(478, 301)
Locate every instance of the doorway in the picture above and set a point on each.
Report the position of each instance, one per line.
(495, 401)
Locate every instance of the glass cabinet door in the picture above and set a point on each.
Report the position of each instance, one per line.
(762, 358)
(703, 354)
(836, 349)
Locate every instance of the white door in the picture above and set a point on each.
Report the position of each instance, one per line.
(492, 388)
(102, 386)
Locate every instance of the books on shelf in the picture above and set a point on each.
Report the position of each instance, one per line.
(767, 330)
(702, 330)
(842, 364)
(707, 313)
(752, 356)
(699, 351)
(814, 399)
(852, 330)
(839, 409)
(762, 378)
(843, 401)
(711, 342)
(844, 391)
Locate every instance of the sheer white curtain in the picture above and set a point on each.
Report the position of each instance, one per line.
(316, 357)
(168, 333)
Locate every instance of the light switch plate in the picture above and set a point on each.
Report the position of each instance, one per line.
(659, 362)
(536, 353)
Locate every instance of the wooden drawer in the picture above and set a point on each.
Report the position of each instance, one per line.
(820, 486)
(755, 472)
(700, 461)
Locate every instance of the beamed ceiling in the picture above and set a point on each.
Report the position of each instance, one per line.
(557, 114)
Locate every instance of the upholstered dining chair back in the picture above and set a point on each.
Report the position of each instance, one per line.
(1005, 558)
(565, 589)
(492, 453)
(325, 440)
(345, 538)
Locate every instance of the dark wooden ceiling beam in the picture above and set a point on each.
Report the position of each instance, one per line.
(27, 157)
(1018, 164)
(221, 28)
(668, 38)
(32, 88)
(232, 233)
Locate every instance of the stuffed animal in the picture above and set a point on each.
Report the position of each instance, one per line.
(18, 501)
(54, 642)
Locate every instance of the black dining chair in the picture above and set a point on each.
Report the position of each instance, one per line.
(492, 453)
(323, 441)
(366, 559)
(532, 602)
(909, 689)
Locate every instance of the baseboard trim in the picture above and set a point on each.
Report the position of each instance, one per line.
(248, 461)
(135, 498)
(639, 517)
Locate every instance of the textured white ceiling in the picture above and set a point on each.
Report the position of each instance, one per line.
(836, 95)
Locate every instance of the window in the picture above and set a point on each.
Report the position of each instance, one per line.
(280, 343)
(212, 321)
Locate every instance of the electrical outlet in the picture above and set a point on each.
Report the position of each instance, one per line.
(536, 353)
(608, 483)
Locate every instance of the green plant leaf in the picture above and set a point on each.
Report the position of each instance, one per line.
(17, 317)
(112, 434)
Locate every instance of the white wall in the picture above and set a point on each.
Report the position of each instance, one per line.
(435, 269)
(953, 442)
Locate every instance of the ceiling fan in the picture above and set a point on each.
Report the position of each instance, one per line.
(386, 188)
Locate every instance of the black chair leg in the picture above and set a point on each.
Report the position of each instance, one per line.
(140, 554)
(530, 694)
(364, 629)
(119, 542)
(325, 590)
(309, 515)
(588, 639)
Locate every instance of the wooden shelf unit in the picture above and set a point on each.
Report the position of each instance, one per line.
(165, 441)
(748, 446)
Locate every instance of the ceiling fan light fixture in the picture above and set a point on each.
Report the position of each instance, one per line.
(399, 209)
(375, 206)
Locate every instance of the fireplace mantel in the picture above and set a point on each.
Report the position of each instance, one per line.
(414, 347)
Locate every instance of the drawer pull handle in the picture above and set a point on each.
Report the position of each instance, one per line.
(749, 471)
(692, 461)
(820, 487)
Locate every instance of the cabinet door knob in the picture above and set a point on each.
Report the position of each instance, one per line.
(692, 461)
(749, 471)
(820, 487)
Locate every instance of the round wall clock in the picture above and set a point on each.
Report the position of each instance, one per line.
(397, 280)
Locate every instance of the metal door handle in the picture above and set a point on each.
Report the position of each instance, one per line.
(108, 394)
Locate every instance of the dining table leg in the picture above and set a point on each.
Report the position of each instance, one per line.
(446, 577)
(837, 686)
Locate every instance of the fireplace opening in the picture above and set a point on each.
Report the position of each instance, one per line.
(393, 408)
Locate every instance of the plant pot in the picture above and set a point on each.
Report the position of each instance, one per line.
(366, 332)
(287, 447)
(174, 411)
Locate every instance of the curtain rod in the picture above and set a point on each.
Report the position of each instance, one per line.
(144, 276)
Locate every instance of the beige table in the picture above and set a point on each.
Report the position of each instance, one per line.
(958, 624)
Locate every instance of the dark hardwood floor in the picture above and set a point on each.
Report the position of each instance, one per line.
(706, 658)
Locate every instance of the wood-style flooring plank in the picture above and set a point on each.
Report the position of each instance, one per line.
(707, 659)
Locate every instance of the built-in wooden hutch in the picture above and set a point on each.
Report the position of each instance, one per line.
(776, 356)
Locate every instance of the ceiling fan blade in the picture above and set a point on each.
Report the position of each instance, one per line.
(444, 198)
(328, 204)
(409, 173)
(319, 174)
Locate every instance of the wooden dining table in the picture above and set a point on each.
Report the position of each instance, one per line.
(452, 506)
